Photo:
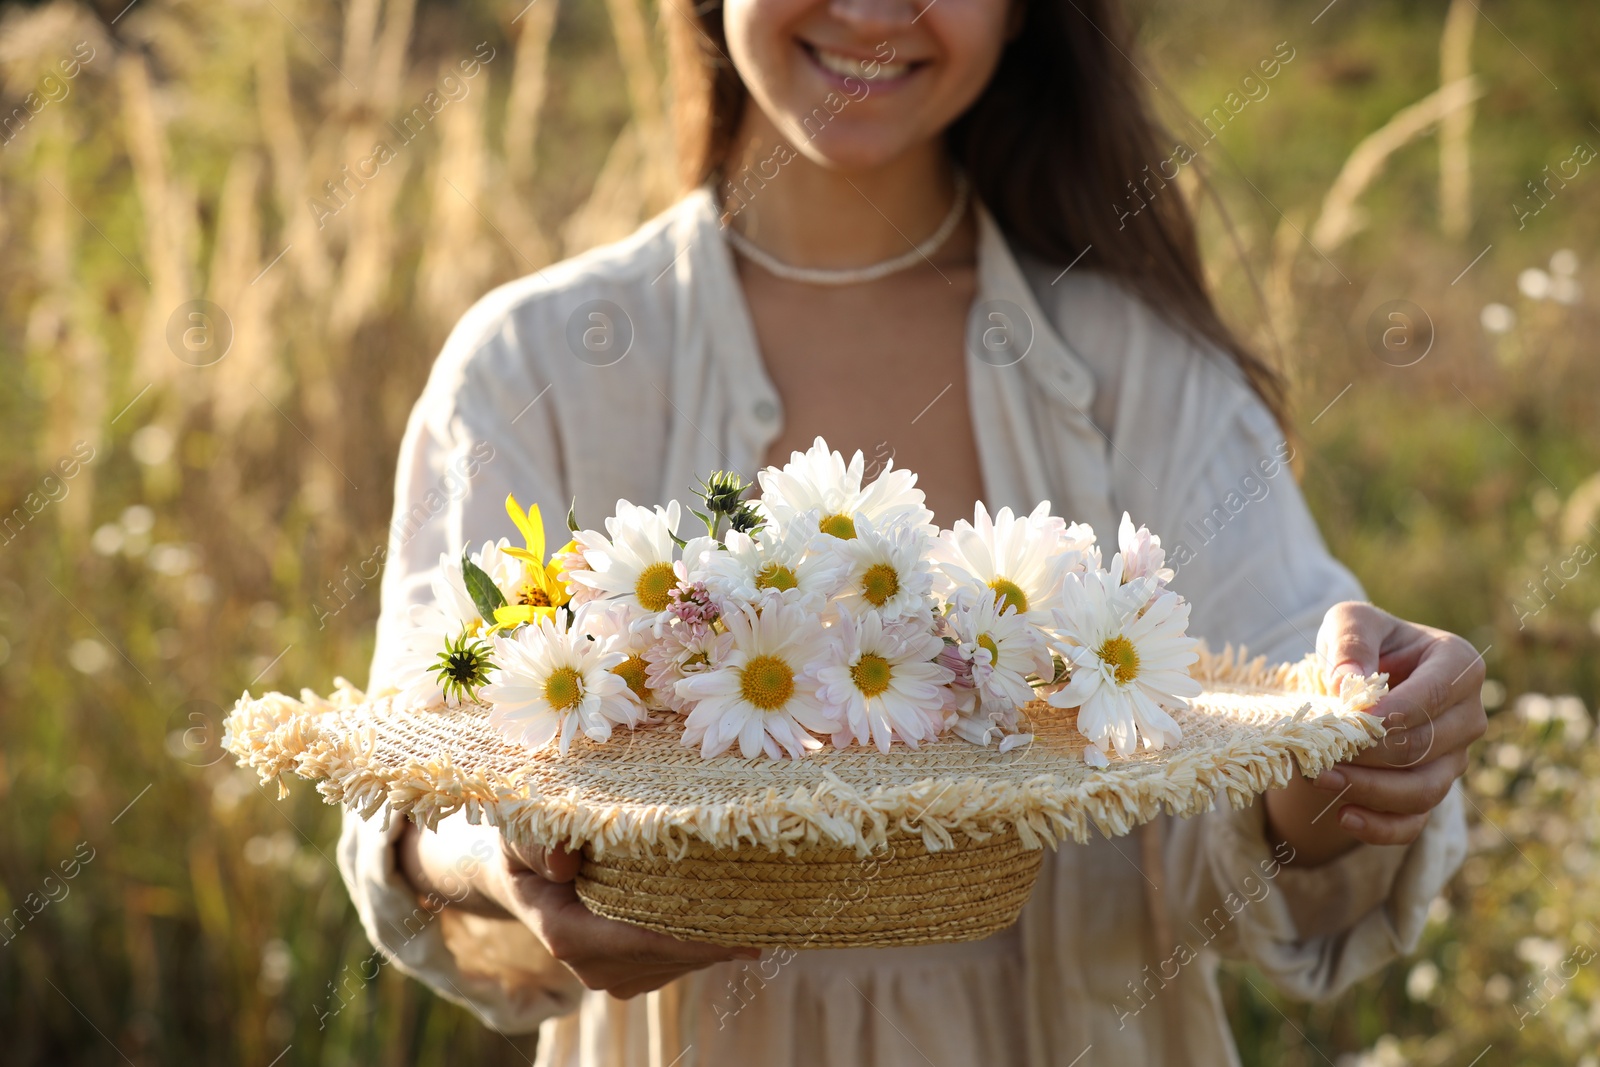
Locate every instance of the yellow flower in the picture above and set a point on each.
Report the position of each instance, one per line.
(541, 590)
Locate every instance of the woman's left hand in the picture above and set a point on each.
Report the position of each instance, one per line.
(1433, 711)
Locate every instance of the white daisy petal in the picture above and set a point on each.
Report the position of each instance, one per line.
(760, 693)
(1130, 654)
(818, 480)
(636, 561)
(551, 682)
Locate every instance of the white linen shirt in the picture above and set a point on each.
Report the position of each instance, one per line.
(1107, 409)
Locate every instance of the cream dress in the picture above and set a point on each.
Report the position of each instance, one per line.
(632, 371)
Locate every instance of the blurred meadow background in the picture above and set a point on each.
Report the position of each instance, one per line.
(1409, 216)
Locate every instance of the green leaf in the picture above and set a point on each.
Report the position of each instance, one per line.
(572, 516)
(486, 596)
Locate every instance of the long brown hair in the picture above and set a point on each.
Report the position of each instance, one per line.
(1062, 147)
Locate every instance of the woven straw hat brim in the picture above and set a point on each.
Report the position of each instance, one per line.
(644, 794)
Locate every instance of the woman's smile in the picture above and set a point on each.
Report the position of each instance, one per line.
(839, 67)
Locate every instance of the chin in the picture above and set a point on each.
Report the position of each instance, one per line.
(859, 150)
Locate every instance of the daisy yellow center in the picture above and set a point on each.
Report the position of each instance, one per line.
(841, 526)
(766, 682)
(563, 689)
(654, 587)
(631, 670)
(776, 576)
(880, 582)
(534, 596)
(699, 659)
(871, 674)
(1119, 654)
(1009, 595)
(985, 641)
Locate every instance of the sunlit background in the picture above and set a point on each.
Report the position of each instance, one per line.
(1406, 213)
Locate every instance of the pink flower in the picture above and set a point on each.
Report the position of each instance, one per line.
(951, 658)
(1141, 554)
(692, 604)
(682, 652)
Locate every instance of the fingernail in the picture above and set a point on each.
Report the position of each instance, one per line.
(1352, 820)
(1329, 779)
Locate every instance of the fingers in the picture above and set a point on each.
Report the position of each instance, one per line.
(1413, 791)
(619, 958)
(551, 864)
(1379, 828)
(588, 936)
(1456, 728)
(1449, 671)
(1351, 637)
(603, 953)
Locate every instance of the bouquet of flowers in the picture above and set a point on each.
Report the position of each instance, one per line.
(827, 610)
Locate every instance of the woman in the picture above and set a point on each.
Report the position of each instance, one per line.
(830, 275)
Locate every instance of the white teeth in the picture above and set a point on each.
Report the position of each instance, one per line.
(855, 68)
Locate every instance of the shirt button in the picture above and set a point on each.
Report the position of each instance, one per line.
(765, 410)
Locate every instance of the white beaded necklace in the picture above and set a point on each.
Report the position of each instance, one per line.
(856, 275)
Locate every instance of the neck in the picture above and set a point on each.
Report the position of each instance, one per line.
(808, 215)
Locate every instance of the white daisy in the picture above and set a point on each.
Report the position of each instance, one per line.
(551, 683)
(761, 695)
(780, 562)
(884, 683)
(819, 480)
(635, 563)
(1020, 561)
(1130, 654)
(1075, 540)
(888, 572)
(1003, 648)
(1141, 553)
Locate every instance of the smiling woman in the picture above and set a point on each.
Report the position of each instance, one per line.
(900, 233)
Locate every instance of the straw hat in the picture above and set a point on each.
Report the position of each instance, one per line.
(841, 849)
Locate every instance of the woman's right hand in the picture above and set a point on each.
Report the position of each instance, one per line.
(533, 885)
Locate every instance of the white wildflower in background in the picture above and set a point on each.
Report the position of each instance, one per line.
(883, 682)
(1534, 283)
(1129, 655)
(819, 480)
(761, 694)
(1497, 319)
(553, 684)
(635, 563)
(1422, 981)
